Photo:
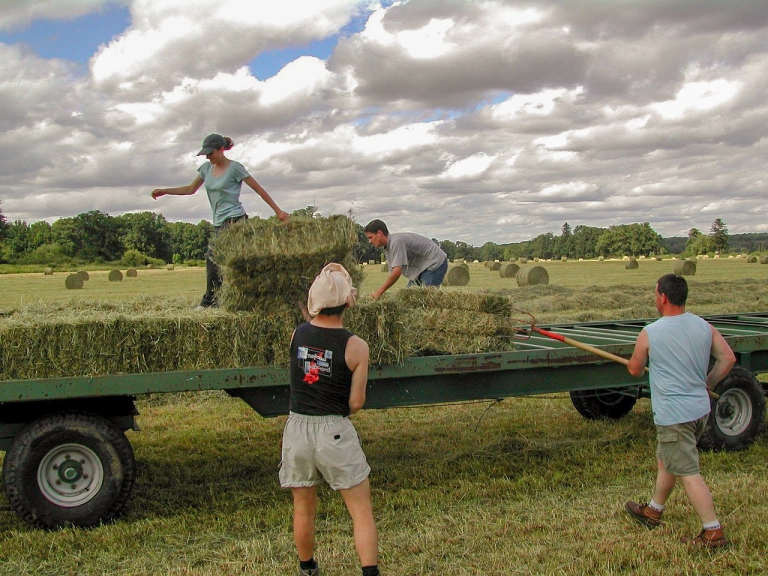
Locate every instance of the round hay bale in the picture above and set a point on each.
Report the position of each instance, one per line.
(657, 258)
(495, 266)
(48, 271)
(115, 276)
(457, 276)
(464, 265)
(384, 267)
(685, 268)
(131, 273)
(150, 266)
(487, 263)
(73, 282)
(536, 259)
(509, 270)
(84, 275)
(763, 259)
(523, 260)
(632, 264)
(169, 266)
(564, 259)
(601, 259)
(531, 275)
(751, 259)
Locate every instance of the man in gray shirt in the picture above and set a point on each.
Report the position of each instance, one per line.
(408, 254)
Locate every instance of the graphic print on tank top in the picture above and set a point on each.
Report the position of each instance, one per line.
(315, 363)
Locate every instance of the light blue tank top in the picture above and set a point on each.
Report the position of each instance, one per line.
(679, 358)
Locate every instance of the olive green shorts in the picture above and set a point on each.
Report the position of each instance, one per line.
(322, 447)
(677, 446)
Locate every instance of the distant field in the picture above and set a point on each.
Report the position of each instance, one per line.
(20, 289)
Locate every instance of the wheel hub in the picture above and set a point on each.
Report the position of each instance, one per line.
(733, 413)
(70, 475)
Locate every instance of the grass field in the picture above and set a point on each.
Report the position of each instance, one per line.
(530, 487)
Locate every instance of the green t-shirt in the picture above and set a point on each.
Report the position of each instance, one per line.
(224, 191)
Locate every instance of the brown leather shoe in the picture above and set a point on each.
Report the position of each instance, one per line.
(644, 514)
(708, 539)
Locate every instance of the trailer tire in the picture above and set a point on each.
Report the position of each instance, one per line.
(69, 469)
(605, 404)
(737, 416)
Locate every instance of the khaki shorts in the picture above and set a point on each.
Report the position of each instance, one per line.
(677, 446)
(322, 447)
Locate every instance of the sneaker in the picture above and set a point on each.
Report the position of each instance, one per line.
(643, 514)
(712, 538)
(310, 572)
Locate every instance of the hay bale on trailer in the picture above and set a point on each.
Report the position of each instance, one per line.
(84, 275)
(269, 260)
(131, 273)
(73, 282)
(509, 270)
(685, 268)
(457, 275)
(532, 275)
(115, 276)
(632, 264)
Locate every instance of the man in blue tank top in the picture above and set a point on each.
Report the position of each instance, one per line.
(678, 346)
(329, 373)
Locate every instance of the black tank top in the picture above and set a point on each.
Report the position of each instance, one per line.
(320, 377)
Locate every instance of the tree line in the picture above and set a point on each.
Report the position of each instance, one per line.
(147, 237)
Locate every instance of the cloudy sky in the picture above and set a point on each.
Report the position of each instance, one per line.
(486, 120)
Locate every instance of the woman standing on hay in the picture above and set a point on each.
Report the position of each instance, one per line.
(223, 179)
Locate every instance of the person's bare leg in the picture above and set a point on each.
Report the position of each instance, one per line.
(304, 510)
(358, 502)
(700, 497)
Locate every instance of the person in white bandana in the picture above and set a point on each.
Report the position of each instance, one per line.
(329, 373)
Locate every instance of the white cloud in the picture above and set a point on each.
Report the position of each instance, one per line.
(698, 97)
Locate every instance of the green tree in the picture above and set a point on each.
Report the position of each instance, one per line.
(719, 235)
(697, 243)
(15, 241)
(189, 241)
(585, 241)
(99, 236)
(146, 232)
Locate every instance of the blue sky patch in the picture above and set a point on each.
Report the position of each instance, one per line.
(76, 40)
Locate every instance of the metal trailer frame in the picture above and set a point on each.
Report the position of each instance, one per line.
(598, 389)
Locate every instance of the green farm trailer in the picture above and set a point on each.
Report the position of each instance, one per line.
(68, 461)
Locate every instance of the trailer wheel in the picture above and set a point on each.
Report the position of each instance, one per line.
(608, 403)
(737, 416)
(68, 469)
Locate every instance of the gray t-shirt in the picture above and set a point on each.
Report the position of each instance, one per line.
(414, 253)
(224, 191)
(680, 347)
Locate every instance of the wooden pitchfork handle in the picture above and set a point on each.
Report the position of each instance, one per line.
(593, 350)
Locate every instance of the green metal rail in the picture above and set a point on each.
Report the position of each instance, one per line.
(538, 365)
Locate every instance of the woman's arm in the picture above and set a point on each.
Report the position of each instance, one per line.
(251, 181)
(180, 190)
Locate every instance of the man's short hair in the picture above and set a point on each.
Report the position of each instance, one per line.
(375, 226)
(675, 288)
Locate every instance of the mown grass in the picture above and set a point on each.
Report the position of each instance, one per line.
(530, 487)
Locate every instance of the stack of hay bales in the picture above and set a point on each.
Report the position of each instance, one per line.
(445, 322)
(268, 261)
